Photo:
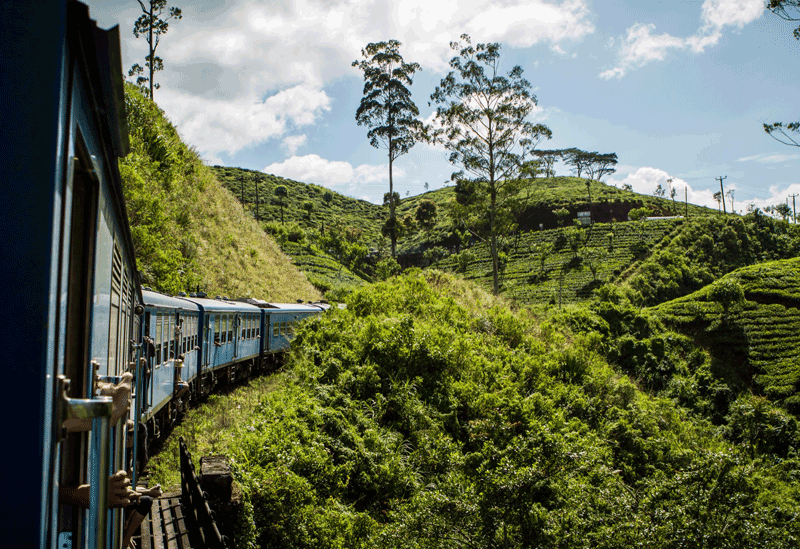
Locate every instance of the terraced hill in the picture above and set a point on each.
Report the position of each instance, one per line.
(756, 339)
(562, 265)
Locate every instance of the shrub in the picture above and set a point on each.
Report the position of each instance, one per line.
(726, 292)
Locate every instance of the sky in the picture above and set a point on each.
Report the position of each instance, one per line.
(678, 89)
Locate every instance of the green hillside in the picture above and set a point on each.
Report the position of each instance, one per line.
(189, 232)
(753, 341)
(707, 248)
(561, 265)
(361, 214)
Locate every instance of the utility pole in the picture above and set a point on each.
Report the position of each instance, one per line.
(686, 200)
(794, 207)
(722, 192)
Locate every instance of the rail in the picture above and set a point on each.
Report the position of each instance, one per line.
(199, 517)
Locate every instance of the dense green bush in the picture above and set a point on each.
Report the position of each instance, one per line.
(428, 415)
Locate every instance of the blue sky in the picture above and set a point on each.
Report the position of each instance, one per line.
(678, 89)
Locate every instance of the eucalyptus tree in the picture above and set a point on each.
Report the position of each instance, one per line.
(481, 118)
(282, 193)
(387, 108)
(152, 23)
(788, 10)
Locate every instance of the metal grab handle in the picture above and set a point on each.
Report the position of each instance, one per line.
(99, 410)
(99, 473)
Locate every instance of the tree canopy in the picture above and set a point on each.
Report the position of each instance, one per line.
(386, 107)
(788, 10)
(152, 23)
(481, 118)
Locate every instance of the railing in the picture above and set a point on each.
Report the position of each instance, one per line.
(203, 530)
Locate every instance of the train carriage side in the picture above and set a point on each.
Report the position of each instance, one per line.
(281, 319)
(171, 329)
(230, 335)
(71, 290)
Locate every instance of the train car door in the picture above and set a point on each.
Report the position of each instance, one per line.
(237, 324)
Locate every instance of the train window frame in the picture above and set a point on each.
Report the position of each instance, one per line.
(157, 338)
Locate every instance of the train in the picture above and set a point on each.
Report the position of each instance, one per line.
(77, 323)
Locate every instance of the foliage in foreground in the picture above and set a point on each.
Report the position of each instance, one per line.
(429, 415)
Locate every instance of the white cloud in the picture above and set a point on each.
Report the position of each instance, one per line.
(769, 158)
(240, 72)
(641, 47)
(312, 168)
(228, 126)
(294, 142)
(282, 43)
(645, 179)
(777, 196)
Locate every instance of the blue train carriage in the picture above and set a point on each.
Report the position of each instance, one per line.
(70, 286)
(171, 328)
(229, 341)
(281, 320)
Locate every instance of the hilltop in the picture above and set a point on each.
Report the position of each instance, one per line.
(189, 232)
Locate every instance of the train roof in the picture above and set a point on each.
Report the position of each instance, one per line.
(296, 307)
(222, 305)
(155, 299)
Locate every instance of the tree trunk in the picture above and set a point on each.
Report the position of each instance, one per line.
(493, 231)
(152, 50)
(393, 221)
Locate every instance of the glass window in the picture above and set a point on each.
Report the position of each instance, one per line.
(276, 329)
(157, 337)
(230, 328)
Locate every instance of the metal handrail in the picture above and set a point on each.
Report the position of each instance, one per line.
(99, 410)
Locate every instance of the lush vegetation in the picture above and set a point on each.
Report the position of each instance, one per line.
(708, 248)
(750, 323)
(429, 414)
(188, 231)
(636, 385)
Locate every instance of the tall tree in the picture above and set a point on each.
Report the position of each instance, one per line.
(481, 118)
(152, 23)
(578, 159)
(282, 193)
(790, 11)
(547, 159)
(603, 164)
(387, 108)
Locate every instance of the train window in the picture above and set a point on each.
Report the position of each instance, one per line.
(291, 328)
(245, 320)
(230, 328)
(284, 328)
(157, 336)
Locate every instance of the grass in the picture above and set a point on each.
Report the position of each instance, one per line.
(189, 231)
(206, 429)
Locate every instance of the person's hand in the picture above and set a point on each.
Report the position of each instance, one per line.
(119, 490)
(120, 395)
(153, 492)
